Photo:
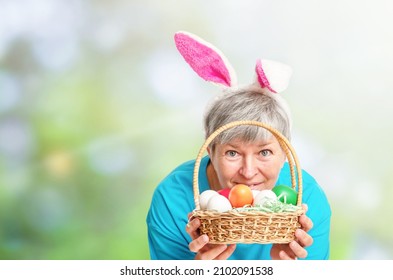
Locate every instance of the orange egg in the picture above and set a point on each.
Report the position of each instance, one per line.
(240, 195)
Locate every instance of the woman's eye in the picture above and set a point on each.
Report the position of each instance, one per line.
(266, 153)
(231, 153)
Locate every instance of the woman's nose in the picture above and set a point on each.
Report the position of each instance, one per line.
(249, 168)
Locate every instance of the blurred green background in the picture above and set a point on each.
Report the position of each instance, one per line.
(97, 106)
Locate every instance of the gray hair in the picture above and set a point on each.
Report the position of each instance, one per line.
(249, 103)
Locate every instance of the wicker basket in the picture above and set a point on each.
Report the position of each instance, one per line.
(250, 226)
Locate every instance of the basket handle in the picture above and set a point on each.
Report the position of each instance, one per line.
(284, 143)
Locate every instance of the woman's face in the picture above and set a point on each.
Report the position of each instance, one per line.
(256, 164)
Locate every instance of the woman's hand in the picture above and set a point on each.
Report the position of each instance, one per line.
(205, 251)
(295, 249)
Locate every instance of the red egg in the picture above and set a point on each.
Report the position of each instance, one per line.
(225, 192)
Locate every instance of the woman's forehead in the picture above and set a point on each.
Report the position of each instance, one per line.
(237, 142)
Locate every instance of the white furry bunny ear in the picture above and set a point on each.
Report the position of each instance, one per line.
(273, 75)
(206, 60)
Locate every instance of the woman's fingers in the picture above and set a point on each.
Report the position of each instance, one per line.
(298, 250)
(284, 256)
(198, 243)
(227, 252)
(305, 223)
(303, 238)
(207, 251)
(213, 252)
(192, 228)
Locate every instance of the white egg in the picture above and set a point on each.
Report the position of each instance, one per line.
(255, 193)
(219, 203)
(263, 196)
(204, 198)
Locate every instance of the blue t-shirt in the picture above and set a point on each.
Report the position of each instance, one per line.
(173, 199)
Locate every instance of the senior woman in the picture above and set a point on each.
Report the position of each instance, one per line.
(246, 155)
(241, 155)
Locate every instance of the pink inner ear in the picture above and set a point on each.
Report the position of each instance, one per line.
(205, 61)
(262, 79)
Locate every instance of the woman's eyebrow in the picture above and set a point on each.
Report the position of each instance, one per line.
(232, 145)
(263, 144)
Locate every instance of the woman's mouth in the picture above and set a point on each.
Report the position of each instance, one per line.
(252, 186)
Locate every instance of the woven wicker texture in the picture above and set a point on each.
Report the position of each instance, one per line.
(250, 226)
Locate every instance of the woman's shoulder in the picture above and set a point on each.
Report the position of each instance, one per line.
(185, 167)
(182, 174)
(177, 181)
(173, 197)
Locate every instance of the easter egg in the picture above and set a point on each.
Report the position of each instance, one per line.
(255, 193)
(240, 195)
(263, 197)
(224, 192)
(204, 198)
(285, 194)
(219, 203)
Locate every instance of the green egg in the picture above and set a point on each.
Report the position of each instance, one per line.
(285, 194)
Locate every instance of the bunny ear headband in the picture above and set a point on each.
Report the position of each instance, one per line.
(212, 65)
